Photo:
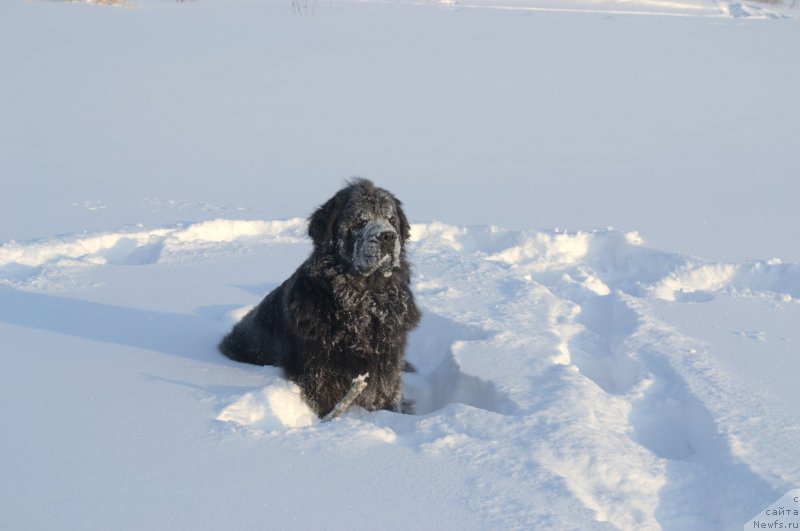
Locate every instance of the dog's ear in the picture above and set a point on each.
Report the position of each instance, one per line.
(322, 223)
(405, 228)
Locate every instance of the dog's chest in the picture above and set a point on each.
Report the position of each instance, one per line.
(368, 319)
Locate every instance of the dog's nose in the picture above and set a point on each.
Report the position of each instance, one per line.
(387, 239)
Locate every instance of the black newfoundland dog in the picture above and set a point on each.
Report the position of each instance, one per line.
(346, 310)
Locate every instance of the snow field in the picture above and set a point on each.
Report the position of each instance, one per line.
(541, 363)
(567, 379)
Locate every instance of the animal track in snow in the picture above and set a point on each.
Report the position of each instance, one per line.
(601, 351)
(618, 349)
(439, 380)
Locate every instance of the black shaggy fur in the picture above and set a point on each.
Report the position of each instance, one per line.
(345, 311)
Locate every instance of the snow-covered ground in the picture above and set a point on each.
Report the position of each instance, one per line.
(156, 163)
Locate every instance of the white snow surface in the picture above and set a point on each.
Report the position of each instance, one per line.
(557, 387)
(157, 162)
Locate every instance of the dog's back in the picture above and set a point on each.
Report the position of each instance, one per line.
(253, 339)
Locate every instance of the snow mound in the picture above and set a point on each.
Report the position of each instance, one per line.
(698, 282)
(277, 406)
(599, 261)
(22, 263)
(741, 10)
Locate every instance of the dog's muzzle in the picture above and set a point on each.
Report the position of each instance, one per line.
(377, 248)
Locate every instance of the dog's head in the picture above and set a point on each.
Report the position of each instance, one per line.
(364, 226)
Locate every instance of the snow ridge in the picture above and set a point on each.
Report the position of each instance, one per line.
(33, 263)
(657, 8)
